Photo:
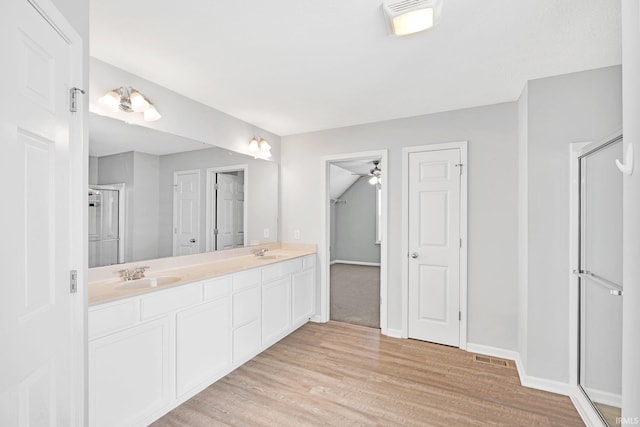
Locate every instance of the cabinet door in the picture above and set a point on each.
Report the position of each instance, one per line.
(246, 306)
(276, 310)
(130, 374)
(203, 338)
(303, 295)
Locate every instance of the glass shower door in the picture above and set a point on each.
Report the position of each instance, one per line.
(600, 279)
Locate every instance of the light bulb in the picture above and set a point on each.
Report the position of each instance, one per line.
(151, 114)
(253, 146)
(138, 102)
(265, 149)
(373, 180)
(111, 100)
(413, 21)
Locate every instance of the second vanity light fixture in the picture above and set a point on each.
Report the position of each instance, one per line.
(130, 100)
(259, 148)
(411, 16)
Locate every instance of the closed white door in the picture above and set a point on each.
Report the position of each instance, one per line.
(186, 212)
(40, 360)
(229, 211)
(434, 246)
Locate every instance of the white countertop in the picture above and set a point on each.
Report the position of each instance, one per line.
(102, 291)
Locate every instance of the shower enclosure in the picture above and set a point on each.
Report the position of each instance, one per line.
(106, 224)
(600, 278)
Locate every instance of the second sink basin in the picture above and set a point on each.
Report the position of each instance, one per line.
(269, 257)
(148, 282)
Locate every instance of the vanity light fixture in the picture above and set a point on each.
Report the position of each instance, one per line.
(130, 100)
(411, 16)
(259, 148)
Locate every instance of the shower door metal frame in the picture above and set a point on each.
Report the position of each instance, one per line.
(579, 397)
(121, 189)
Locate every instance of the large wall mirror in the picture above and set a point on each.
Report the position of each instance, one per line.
(153, 195)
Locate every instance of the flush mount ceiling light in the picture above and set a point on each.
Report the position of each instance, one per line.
(411, 16)
(259, 148)
(130, 100)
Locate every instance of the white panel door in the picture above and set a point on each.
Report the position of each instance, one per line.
(229, 211)
(434, 245)
(186, 212)
(38, 151)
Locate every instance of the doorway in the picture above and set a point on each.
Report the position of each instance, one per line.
(353, 246)
(186, 212)
(434, 235)
(226, 209)
(598, 274)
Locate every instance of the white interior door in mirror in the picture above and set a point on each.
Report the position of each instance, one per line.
(186, 212)
(434, 236)
(229, 211)
(38, 151)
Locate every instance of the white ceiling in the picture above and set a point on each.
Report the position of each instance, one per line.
(292, 66)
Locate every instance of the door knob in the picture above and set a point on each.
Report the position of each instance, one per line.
(192, 240)
(414, 255)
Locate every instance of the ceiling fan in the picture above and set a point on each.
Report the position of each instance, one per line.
(375, 173)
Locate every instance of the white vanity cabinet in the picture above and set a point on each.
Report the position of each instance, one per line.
(303, 288)
(246, 315)
(203, 338)
(149, 353)
(130, 374)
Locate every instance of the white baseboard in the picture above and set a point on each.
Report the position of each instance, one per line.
(368, 264)
(585, 409)
(316, 319)
(393, 333)
(604, 397)
(526, 380)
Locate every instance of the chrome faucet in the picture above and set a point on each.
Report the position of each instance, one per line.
(136, 273)
(261, 252)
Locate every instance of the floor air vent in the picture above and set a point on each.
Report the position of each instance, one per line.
(490, 360)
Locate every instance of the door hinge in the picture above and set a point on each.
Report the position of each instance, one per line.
(215, 186)
(73, 281)
(73, 98)
(460, 316)
(459, 166)
(215, 231)
(461, 243)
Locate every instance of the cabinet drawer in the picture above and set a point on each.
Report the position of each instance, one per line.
(103, 320)
(308, 262)
(246, 341)
(246, 279)
(216, 288)
(166, 302)
(246, 306)
(276, 271)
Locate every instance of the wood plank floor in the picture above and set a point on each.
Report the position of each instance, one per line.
(347, 375)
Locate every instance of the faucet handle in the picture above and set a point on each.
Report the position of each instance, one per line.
(142, 269)
(126, 274)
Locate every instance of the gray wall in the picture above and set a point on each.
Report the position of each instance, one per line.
(492, 135)
(145, 206)
(93, 170)
(570, 108)
(354, 224)
(261, 182)
(139, 173)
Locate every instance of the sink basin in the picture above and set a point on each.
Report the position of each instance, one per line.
(269, 257)
(148, 282)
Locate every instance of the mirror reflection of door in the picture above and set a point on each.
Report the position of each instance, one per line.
(186, 212)
(226, 222)
(600, 272)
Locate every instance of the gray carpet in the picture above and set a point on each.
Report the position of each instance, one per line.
(355, 294)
